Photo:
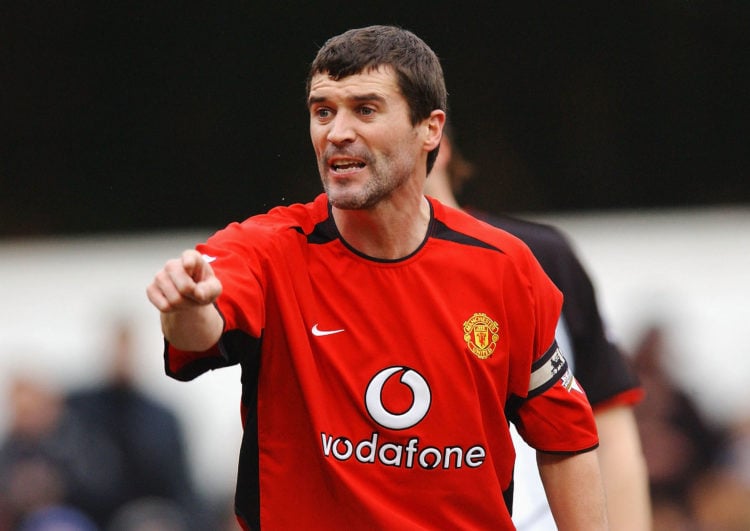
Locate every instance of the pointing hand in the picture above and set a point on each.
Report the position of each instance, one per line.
(183, 283)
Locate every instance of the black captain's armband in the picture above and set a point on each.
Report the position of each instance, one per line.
(547, 370)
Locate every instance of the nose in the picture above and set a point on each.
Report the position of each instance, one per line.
(341, 129)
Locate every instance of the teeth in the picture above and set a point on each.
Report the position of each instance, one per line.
(348, 165)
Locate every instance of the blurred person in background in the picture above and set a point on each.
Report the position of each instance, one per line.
(56, 518)
(148, 438)
(682, 449)
(720, 497)
(152, 514)
(610, 383)
(51, 458)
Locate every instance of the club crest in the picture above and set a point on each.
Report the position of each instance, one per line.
(481, 335)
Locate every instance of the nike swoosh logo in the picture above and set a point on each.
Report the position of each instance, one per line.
(318, 332)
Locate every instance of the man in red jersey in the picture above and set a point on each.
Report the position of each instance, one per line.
(385, 340)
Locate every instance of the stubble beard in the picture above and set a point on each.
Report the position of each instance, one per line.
(384, 179)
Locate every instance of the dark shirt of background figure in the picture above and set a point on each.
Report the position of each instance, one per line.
(50, 459)
(148, 438)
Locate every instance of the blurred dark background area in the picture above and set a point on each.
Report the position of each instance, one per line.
(133, 116)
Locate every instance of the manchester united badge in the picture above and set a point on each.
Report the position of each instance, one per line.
(481, 335)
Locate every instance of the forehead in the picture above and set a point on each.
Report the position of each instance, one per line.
(380, 82)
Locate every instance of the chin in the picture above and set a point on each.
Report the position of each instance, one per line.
(351, 196)
(347, 201)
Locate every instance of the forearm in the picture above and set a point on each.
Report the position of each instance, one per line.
(623, 470)
(184, 291)
(574, 490)
(195, 328)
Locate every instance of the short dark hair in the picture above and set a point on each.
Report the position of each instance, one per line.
(418, 72)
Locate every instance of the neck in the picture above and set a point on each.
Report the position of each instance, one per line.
(388, 230)
(438, 186)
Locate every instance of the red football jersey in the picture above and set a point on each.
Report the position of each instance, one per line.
(377, 393)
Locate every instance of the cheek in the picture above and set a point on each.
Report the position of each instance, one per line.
(317, 136)
(318, 146)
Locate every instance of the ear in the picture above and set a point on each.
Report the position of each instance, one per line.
(434, 129)
(444, 155)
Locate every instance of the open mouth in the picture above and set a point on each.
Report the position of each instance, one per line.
(345, 165)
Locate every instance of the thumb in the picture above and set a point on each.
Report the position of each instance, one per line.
(207, 290)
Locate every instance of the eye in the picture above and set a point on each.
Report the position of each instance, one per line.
(321, 113)
(364, 110)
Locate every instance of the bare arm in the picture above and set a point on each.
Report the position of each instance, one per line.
(184, 291)
(574, 489)
(623, 470)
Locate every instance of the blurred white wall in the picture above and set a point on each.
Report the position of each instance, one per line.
(689, 269)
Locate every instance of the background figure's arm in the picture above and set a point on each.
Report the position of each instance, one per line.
(573, 484)
(623, 469)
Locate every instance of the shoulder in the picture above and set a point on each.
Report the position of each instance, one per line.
(302, 217)
(549, 244)
(277, 224)
(534, 234)
(464, 228)
(462, 222)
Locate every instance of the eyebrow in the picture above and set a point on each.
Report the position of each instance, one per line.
(358, 98)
